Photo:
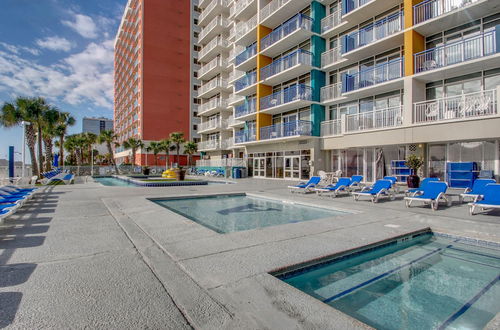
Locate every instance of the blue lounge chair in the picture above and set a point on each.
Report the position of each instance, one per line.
(477, 191)
(305, 187)
(434, 192)
(423, 184)
(379, 189)
(334, 189)
(491, 199)
(355, 182)
(67, 179)
(391, 178)
(7, 210)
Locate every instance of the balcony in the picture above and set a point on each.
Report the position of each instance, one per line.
(243, 9)
(380, 78)
(232, 122)
(331, 23)
(478, 50)
(244, 136)
(245, 32)
(374, 120)
(215, 47)
(235, 99)
(247, 59)
(292, 32)
(286, 130)
(215, 8)
(277, 11)
(293, 97)
(246, 85)
(212, 68)
(209, 145)
(216, 26)
(470, 106)
(212, 125)
(330, 58)
(433, 16)
(364, 42)
(356, 11)
(211, 107)
(287, 67)
(246, 110)
(213, 87)
(331, 93)
(331, 128)
(224, 162)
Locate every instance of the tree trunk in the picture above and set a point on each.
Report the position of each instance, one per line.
(178, 146)
(48, 153)
(61, 150)
(31, 141)
(167, 159)
(156, 160)
(112, 160)
(78, 161)
(40, 154)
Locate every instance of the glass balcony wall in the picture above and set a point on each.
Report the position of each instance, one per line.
(287, 95)
(299, 56)
(287, 129)
(378, 74)
(299, 21)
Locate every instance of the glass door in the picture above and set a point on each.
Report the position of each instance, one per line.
(259, 167)
(292, 167)
(290, 125)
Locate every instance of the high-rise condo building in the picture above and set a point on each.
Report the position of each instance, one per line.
(155, 62)
(293, 87)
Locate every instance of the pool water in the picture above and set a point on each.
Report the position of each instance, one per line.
(231, 213)
(110, 181)
(427, 282)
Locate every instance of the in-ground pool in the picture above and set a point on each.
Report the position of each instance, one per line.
(423, 282)
(231, 213)
(111, 181)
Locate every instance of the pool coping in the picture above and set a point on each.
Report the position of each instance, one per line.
(140, 183)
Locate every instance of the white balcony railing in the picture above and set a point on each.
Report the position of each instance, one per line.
(232, 121)
(219, 41)
(331, 127)
(211, 6)
(243, 28)
(212, 124)
(272, 7)
(218, 61)
(331, 92)
(209, 145)
(378, 119)
(433, 8)
(219, 20)
(224, 162)
(212, 104)
(239, 6)
(214, 83)
(331, 21)
(454, 108)
(331, 56)
(227, 143)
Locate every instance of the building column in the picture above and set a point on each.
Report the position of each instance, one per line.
(262, 119)
(414, 42)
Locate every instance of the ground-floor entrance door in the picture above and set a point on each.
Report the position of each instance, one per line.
(292, 167)
(259, 167)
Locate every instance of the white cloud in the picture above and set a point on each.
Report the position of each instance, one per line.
(18, 49)
(83, 25)
(55, 43)
(81, 78)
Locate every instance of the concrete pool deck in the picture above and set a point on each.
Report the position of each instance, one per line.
(106, 257)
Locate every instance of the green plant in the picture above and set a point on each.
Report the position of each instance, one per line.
(109, 138)
(414, 162)
(133, 144)
(177, 138)
(190, 147)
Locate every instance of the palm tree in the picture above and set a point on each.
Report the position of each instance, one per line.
(109, 137)
(89, 139)
(190, 148)
(50, 119)
(75, 144)
(36, 112)
(166, 145)
(177, 138)
(65, 120)
(133, 144)
(156, 148)
(13, 114)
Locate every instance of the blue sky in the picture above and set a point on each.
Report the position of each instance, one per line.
(61, 50)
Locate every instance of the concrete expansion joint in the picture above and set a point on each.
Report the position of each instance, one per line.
(68, 259)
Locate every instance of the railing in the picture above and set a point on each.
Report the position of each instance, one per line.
(235, 98)
(467, 49)
(218, 61)
(211, 6)
(331, 127)
(272, 7)
(299, 56)
(212, 104)
(331, 92)
(223, 162)
(378, 119)
(214, 83)
(376, 31)
(293, 128)
(331, 21)
(245, 136)
(351, 5)
(227, 143)
(287, 95)
(209, 145)
(235, 52)
(243, 28)
(433, 8)
(331, 56)
(235, 74)
(212, 124)
(246, 81)
(239, 6)
(250, 106)
(299, 21)
(219, 20)
(378, 74)
(246, 54)
(232, 121)
(465, 106)
(219, 41)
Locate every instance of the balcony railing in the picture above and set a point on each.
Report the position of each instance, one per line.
(246, 81)
(239, 6)
(467, 49)
(376, 31)
(378, 119)
(293, 128)
(212, 124)
(209, 145)
(351, 5)
(299, 21)
(214, 83)
(223, 162)
(219, 41)
(246, 135)
(331, 92)
(218, 61)
(433, 8)
(246, 54)
(465, 106)
(212, 104)
(299, 56)
(250, 106)
(211, 6)
(232, 121)
(243, 28)
(272, 7)
(219, 20)
(331, 21)
(227, 143)
(331, 56)
(331, 127)
(378, 74)
(287, 95)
